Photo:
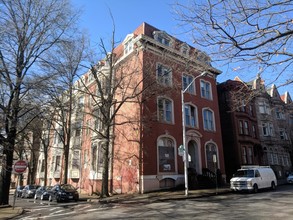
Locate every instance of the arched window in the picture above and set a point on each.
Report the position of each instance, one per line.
(163, 38)
(166, 155)
(128, 44)
(211, 152)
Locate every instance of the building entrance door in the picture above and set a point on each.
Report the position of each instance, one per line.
(193, 156)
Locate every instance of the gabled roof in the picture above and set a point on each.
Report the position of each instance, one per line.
(273, 92)
(286, 98)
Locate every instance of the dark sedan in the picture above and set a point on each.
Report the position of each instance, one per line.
(43, 192)
(63, 192)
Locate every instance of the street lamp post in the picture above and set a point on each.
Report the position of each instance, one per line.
(185, 157)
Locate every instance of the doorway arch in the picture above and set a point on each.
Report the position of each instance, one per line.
(194, 159)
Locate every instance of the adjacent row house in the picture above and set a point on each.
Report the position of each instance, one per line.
(256, 125)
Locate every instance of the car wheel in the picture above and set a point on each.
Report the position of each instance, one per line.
(255, 188)
(273, 186)
(58, 199)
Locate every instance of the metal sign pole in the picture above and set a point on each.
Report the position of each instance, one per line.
(215, 162)
(14, 197)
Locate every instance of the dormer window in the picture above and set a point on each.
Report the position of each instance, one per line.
(163, 38)
(128, 47)
(128, 44)
(202, 57)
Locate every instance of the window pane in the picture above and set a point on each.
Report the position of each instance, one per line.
(208, 120)
(166, 155)
(210, 152)
(187, 115)
(168, 110)
(165, 110)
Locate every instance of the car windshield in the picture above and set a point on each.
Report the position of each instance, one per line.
(32, 187)
(68, 187)
(244, 173)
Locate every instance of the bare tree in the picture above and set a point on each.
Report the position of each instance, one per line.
(45, 138)
(28, 29)
(65, 63)
(246, 34)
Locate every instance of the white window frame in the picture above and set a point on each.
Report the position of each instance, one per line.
(279, 113)
(283, 134)
(128, 44)
(208, 123)
(186, 80)
(128, 47)
(191, 115)
(267, 129)
(170, 165)
(166, 111)
(206, 90)
(163, 38)
(57, 164)
(264, 108)
(75, 160)
(246, 128)
(164, 75)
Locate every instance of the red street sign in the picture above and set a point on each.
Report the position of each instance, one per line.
(20, 166)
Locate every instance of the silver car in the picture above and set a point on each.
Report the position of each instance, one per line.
(29, 191)
(290, 178)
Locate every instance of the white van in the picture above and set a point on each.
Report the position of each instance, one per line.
(252, 178)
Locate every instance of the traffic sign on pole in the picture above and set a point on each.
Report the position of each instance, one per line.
(20, 166)
(181, 150)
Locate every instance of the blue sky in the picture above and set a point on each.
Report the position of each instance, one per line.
(129, 14)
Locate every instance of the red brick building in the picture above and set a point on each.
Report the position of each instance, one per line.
(148, 127)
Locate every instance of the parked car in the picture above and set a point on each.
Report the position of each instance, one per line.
(18, 191)
(29, 191)
(43, 192)
(63, 192)
(290, 178)
(253, 178)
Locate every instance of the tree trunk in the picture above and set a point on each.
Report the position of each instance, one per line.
(105, 178)
(66, 157)
(6, 176)
(46, 167)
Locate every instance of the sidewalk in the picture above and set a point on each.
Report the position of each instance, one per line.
(164, 196)
(7, 211)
